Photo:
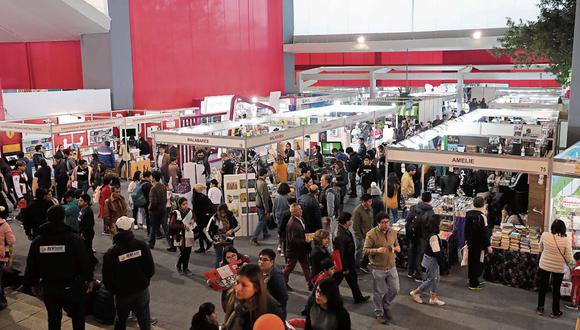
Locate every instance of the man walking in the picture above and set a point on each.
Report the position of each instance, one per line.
(311, 209)
(381, 245)
(127, 269)
(415, 231)
(297, 247)
(59, 263)
(344, 243)
(354, 163)
(362, 222)
(264, 206)
(158, 210)
(106, 155)
(273, 277)
(477, 241)
(329, 203)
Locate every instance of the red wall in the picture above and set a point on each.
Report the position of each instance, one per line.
(41, 65)
(455, 57)
(188, 49)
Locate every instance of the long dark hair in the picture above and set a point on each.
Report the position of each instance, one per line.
(391, 181)
(229, 248)
(433, 224)
(255, 275)
(330, 290)
(558, 228)
(199, 318)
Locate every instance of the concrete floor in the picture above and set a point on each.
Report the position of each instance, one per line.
(175, 298)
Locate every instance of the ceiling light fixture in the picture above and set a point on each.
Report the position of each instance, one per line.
(476, 35)
(361, 39)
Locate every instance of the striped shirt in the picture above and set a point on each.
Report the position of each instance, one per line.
(554, 249)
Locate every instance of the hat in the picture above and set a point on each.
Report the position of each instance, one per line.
(124, 223)
(375, 191)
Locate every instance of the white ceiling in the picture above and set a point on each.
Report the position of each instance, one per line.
(49, 20)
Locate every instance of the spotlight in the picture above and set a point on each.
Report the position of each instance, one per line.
(361, 39)
(476, 35)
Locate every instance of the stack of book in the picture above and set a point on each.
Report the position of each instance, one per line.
(505, 238)
(514, 241)
(496, 239)
(525, 244)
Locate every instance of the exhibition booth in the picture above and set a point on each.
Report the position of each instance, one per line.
(255, 142)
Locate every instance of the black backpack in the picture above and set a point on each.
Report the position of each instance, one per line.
(104, 306)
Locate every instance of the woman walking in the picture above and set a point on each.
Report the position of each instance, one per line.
(328, 313)
(556, 254)
(432, 261)
(221, 231)
(393, 189)
(281, 208)
(181, 225)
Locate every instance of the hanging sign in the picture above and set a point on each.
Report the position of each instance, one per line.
(198, 140)
(93, 124)
(324, 126)
(24, 128)
(490, 162)
(275, 137)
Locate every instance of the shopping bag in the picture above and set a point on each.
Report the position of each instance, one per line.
(465, 252)
(337, 261)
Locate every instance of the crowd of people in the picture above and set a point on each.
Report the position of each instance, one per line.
(313, 228)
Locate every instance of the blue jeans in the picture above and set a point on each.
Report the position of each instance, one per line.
(136, 302)
(261, 226)
(156, 220)
(432, 281)
(395, 217)
(385, 289)
(84, 186)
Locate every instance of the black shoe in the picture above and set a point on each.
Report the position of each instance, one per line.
(179, 270)
(288, 288)
(254, 242)
(410, 276)
(540, 311)
(186, 272)
(362, 300)
(200, 250)
(172, 249)
(151, 247)
(388, 316)
(418, 278)
(556, 315)
(3, 305)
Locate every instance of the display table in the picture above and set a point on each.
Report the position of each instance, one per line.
(516, 269)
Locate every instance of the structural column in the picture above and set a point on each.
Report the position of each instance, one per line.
(288, 38)
(121, 55)
(574, 112)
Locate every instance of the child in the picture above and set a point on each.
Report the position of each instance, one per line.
(72, 210)
(214, 193)
(327, 270)
(575, 294)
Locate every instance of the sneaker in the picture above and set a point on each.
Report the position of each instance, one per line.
(153, 321)
(557, 315)
(436, 301)
(418, 278)
(279, 249)
(381, 319)
(364, 270)
(135, 227)
(476, 288)
(540, 311)
(186, 272)
(144, 226)
(417, 297)
(281, 254)
(410, 276)
(572, 307)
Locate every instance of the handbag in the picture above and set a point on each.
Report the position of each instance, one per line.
(465, 254)
(337, 261)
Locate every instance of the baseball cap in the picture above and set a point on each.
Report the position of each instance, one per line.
(124, 223)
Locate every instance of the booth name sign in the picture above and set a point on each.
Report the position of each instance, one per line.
(463, 160)
(198, 140)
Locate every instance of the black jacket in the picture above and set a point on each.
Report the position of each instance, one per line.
(277, 287)
(34, 216)
(476, 233)
(318, 254)
(311, 212)
(354, 163)
(44, 177)
(144, 148)
(128, 265)
(341, 182)
(481, 182)
(421, 214)
(202, 207)
(449, 184)
(296, 246)
(378, 206)
(60, 173)
(87, 221)
(344, 243)
(57, 258)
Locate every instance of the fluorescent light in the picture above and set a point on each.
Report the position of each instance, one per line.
(361, 39)
(476, 35)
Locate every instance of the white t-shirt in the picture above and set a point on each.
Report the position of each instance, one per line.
(215, 195)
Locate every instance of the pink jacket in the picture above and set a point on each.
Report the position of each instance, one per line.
(6, 236)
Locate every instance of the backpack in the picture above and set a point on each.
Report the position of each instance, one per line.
(409, 227)
(138, 196)
(415, 225)
(104, 306)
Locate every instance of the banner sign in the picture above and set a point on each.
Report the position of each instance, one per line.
(198, 140)
(151, 118)
(94, 124)
(24, 128)
(491, 162)
(275, 137)
(563, 167)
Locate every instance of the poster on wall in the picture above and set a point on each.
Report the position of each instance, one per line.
(240, 194)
